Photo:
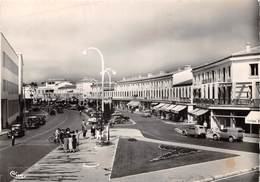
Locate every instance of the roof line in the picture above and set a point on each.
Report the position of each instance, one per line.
(208, 64)
(1, 33)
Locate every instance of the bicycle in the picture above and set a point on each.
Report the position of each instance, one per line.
(52, 139)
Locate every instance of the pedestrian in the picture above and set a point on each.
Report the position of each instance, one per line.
(13, 137)
(84, 128)
(70, 143)
(93, 131)
(66, 142)
(108, 132)
(74, 142)
(57, 135)
(77, 136)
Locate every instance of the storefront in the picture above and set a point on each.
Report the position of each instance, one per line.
(133, 105)
(164, 112)
(200, 116)
(179, 113)
(245, 119)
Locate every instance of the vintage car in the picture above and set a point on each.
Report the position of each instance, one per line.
(17, 129)
(60, 110)
(146, 113)
(231, 134)
(195, 130)
(32, 122)
(53, 112)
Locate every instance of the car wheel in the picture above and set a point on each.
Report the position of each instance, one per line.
(231, 139)
(215, 137)
(185, 133)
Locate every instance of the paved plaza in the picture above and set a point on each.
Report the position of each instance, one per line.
(94, 163)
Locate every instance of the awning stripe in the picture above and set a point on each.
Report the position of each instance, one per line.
(253, 117)
(178, 108)
(158, 106)
(163, 108)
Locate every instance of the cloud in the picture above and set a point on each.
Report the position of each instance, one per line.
(135, 37)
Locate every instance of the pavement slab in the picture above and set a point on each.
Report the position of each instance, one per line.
(94, 163)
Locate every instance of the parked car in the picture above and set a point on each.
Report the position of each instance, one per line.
(146, 113)
(73, 107)
(17, 129)
(231, 134)
(60, 110)
(195, 130)
(33, 122)
(53, 112)
(42, 119)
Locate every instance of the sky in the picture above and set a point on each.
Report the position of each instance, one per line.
(135, 37)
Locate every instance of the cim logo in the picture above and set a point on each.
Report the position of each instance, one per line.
(16, 175)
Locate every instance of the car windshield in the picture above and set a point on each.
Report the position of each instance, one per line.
(15, 127)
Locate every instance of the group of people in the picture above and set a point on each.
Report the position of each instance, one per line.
(95, 131)
(68, 139)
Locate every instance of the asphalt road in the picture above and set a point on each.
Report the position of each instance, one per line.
(32, 147)
(157, 129)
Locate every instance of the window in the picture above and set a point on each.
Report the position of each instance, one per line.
(229, 71)
(213, 76)
(254, 69)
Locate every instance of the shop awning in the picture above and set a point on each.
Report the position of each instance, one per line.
(201, 112)
(154, 104)
(194, 111)
(253, 117)
(158, 106)
(133, 103)
(163, 108)
(169, 108)
(178, 108)
(129, 103)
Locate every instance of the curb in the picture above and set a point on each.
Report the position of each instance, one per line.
(114, 158)
(229, 175)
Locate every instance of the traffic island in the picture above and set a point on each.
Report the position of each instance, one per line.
(136, 157)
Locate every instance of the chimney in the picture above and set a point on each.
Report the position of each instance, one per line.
(149, 75)
(248, 47)
(186, 67)
(161, 72)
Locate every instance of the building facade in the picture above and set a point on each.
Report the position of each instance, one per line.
(227, 90)
(11, 83)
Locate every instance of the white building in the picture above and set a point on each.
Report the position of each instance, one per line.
(84, 87)
(11, 81)
(53, 88)
(228, 90)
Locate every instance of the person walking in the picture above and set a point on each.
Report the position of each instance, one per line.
(70, 143)
(77, 136)
(13, 137)
(93, 131)
(66, 142)
(74, 142)
(84, 128)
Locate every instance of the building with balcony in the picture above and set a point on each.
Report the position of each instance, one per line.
(227, 90)
(171, 92)
(11, 80)
(53, 89)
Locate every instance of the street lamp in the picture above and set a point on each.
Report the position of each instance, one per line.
(97, 91)
(108, 71)
(102, 76)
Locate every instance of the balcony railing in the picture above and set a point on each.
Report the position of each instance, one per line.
(234, 102)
